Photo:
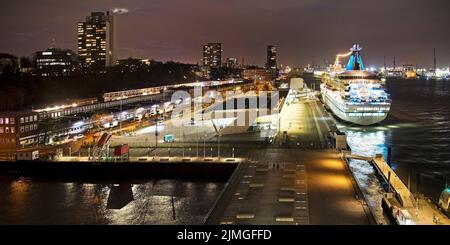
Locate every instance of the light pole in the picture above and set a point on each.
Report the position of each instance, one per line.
(204, 146)
(120, 117)
(218, 148)
(156, 136)
(197, 140)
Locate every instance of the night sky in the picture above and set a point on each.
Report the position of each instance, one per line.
(303, 30)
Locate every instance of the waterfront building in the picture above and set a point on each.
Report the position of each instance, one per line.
(19, 129)
(96, 41)
(55, 62)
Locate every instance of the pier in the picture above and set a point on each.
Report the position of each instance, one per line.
(401, 205)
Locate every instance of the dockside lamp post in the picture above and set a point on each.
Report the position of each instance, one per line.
(218, 147)
(204, 146)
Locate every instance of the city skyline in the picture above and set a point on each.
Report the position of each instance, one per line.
(162, 30)
(224, 112)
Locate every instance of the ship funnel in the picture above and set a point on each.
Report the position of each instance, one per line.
(355, 62)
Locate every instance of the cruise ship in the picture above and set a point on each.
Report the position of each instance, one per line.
(354, 94)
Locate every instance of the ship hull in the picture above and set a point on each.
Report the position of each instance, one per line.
(350, 117)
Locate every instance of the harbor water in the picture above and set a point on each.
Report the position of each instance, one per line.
(34, 201)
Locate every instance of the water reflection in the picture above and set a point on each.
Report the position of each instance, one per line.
(32, 201)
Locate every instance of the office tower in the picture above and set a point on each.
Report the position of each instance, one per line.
(96, 41)
(271, 57)
(212, 55)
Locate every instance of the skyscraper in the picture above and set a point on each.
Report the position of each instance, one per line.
(96, 41)
(212, 55)
(271, 57)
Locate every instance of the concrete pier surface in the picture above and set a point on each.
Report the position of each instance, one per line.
(290, 186)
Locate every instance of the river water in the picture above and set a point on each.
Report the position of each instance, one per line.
(33, 201)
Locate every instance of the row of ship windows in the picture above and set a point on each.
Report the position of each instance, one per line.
(372, 109)
(352, 114)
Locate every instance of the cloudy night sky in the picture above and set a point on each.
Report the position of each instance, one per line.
(303, 30)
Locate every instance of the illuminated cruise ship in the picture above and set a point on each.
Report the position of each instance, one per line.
(354, 94)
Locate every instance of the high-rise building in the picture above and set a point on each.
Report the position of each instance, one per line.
(212, 55)
(271, 57)
(96, 41)
(55, 62)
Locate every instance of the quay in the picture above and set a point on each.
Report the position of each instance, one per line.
(180, 168)
(400, 204)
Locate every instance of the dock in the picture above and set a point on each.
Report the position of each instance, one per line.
(402, 206)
